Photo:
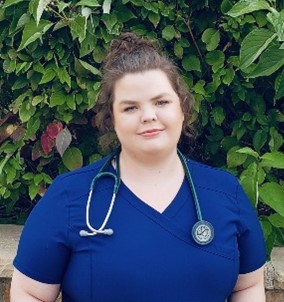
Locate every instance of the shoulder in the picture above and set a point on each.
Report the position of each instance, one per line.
(212, 178)
(76, 183)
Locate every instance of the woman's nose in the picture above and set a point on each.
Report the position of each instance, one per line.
(148, 114)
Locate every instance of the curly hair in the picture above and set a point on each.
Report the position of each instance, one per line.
(130, 53)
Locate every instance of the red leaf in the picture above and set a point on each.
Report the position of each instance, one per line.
(53, 129)
(47, 143)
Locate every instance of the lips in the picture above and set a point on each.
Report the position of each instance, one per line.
(151, 132)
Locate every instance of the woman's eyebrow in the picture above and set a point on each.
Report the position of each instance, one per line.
(132, 102)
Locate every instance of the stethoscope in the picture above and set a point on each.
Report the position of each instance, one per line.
(202, 230)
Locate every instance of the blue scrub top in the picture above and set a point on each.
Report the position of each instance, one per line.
(151, 257)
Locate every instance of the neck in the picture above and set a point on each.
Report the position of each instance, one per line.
(149, 166)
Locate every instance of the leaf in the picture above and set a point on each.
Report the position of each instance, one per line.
(234, 158)
(41, 6)
(253, 45)
(63, 141)
(63, 76)
(32, 32)
(272, 193)
(276, 139)
(270, 61)
(32, 127)
(215, 57)
(191, 62)
(57, 98)
(48, 76)
(247, 6)
(106, 6)
(72, 158)
(124, 14)
(26, 111)
(211, 37)
(89, 67)
(168, 33)
(276, 220)
(274, 160)
(178, 50)
(249, 181)
(279, 86)
(259, 139)
(47, 143)
(11, 2)
(53, 129)
(91, 3)
(248, 151)
(154, 18)
(277, 20)
(218, 114)
(109, 20)
(33, 190)
(229, 76)
(78, 28)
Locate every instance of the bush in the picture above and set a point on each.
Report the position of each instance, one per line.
(231, 55)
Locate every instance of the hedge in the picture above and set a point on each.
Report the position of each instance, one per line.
(231, 54)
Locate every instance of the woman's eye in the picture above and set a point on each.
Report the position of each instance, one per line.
(162, 103)
(130, 109)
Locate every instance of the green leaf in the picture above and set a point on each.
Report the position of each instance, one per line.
(279, 86)
(91, 3)
(229, 76)
(277, 20)
(191, 62)
(253, 45)
(48, 76)
(32, 32)
(249, 181)
(72, 158)
(259, 139)
(33, 190)
(26, 111)
(276, 139)
(63, 76)
(89, 67)
(270, 61)
(124, 14)
(106, 6)
(247, 6)
(41, 6)
(248, 151)
(109, 20)
(78, 28)
(154, 18)
(57, 98)
(218, 114)
(234, 158)
(273, 160)
(32, 127)
(215, 57)
(168, 33)
(178, 50)
(276, 220)
(11, 2)
(211, 37)
(272, 193)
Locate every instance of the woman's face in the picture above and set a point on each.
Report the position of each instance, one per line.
(147, 115)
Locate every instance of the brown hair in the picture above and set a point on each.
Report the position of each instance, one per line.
(131, 54)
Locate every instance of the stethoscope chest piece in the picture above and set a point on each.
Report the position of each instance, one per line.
(203, 232)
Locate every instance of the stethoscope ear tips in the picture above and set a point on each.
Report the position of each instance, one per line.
(84, 233)
(107, 232)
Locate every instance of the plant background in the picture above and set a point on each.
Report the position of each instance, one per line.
(231, 54)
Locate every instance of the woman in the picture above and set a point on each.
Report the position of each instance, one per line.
(146, 246)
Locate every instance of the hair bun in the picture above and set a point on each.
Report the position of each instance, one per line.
(128, 42)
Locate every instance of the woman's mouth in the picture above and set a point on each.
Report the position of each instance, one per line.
(150, 132)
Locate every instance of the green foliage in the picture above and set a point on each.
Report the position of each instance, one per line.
(231, 54)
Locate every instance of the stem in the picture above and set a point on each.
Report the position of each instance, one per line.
(187, 23)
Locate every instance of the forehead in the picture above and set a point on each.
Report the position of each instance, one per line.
(143, 84)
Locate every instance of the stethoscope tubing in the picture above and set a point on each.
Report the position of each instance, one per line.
(202, 231)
